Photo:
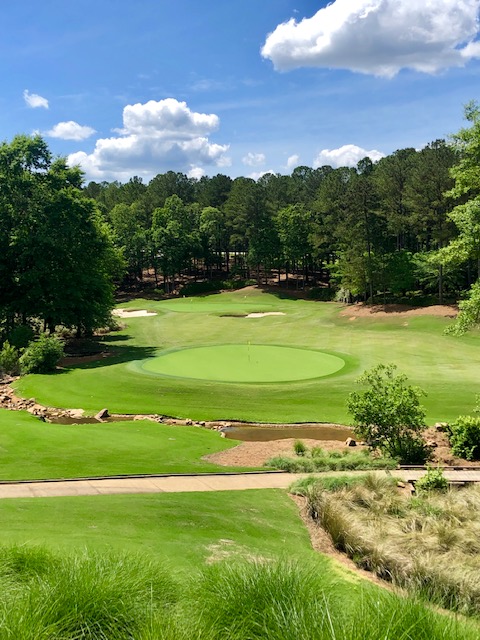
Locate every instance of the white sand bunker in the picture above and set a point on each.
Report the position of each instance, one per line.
(267, 313)
(135, 313)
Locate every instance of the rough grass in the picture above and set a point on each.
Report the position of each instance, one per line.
(31, 449)
(445, 366)
(316, 459)
(428, 544)
(121, 597)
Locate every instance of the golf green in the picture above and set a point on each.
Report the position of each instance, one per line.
(247, 363)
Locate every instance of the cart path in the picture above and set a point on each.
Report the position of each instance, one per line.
(188, 483)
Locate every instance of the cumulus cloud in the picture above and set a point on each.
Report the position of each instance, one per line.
(292, 161)
(379, 37)
(34, 101)
(347, 156)
(254, 159)
(156, 137)
(70, 131)
(256, 175)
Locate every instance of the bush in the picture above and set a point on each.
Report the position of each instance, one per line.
(41, 355)
(323, 294)
(9, 363)
(388, 415)
(300, 448)
(433, 480)
(464, 435)
(21, 335)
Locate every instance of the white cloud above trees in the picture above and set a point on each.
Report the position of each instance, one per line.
(379, 37)
(156, 136)
(293, 161)
(34, 101)
(70, 131)
(347, 156)
(254, 159)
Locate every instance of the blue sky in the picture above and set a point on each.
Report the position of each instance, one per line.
(234, 86)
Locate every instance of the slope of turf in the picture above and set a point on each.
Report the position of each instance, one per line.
(30, 449)
(185, 529)
(445, 366)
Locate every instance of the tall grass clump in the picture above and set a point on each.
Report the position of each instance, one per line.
(316, 459)
(88, 596)
(428, 544)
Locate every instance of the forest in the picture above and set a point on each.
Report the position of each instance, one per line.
(404, 228)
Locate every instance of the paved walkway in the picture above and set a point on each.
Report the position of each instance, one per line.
(182, 484)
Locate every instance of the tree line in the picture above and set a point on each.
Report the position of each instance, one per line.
(372, 230)
(375, 232)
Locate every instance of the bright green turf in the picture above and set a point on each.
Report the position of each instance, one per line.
(185, 528)
(245, 363)
(445, 366)
(31, 449)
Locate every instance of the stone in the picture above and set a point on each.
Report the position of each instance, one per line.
(441, 426)
(101, 415)
(350, 442)
(201, 423)
(188, 422)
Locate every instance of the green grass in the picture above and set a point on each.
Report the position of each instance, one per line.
(31, 449)
(184, 530)
(177, 567)
(445, 366)
(247, 363)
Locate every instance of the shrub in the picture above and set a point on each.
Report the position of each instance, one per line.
(389, 416)
(9, 363)
(21, 335)
(300, 448)
(464, 435)
(41, 355)
(323, 294)
(433, 480)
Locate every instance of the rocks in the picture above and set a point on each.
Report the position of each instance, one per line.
(102, 415)
(188, 422)
(350, 442)
(441, 426)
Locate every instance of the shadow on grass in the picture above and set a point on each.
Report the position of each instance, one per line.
(116, 355)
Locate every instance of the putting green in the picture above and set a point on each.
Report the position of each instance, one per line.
(245, 363)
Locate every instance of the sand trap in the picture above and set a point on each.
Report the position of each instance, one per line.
(125, 313)
(267, 313)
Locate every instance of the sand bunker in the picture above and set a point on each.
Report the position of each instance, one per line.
(266, 313)
(135, 313)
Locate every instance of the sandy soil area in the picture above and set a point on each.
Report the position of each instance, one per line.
(135, 313)
(398, 310)
(266, 313)
(255, 454)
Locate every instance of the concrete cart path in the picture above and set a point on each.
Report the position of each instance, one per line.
(187, 483)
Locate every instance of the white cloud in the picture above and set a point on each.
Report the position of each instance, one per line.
(156, 137)
(196, 172)
(379, 37)
(70, 131)
(256, 175)
(347, 156)
(34, 101)
(292, 161)
(254, 159)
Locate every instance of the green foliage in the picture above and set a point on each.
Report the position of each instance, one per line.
(333, 461)
(42, 355)
(9, 359)
(324, 294)
(464, 436)
(300, 448)
(21, 335)
(433, 480)
(388, 414)
(469, 315)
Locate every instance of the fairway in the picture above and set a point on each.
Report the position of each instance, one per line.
(199, 359)
(245, 363)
